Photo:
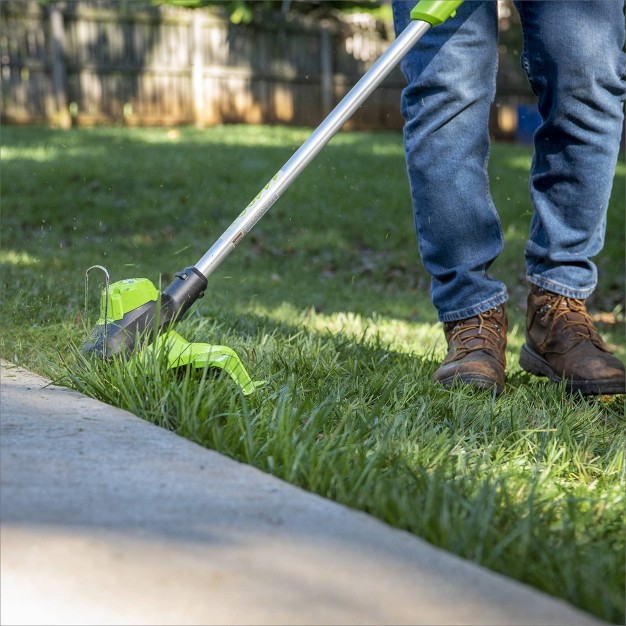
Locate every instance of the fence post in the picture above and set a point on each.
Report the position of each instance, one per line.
(326, 69)
(197, 67)
(57, 45)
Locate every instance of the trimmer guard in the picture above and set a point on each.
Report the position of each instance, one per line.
(180, 353)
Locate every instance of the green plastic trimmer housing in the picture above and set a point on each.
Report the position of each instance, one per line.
(135, 307)
(181, 353)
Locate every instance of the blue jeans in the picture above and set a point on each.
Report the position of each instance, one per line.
(573, 57)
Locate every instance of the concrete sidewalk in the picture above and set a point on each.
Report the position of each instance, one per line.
(108, 519)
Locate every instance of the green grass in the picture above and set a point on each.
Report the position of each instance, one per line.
(325, 300)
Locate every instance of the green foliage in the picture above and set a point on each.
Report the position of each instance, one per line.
(244, 11)
(326, 301)
(239, 11)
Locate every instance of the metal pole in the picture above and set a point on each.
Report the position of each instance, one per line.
(311, 147)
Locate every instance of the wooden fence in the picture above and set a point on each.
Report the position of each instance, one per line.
(103, 61)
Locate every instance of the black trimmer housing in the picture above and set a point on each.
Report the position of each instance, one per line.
(133, 308)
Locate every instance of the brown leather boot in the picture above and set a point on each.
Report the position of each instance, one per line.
(562, 343)
(476, 351)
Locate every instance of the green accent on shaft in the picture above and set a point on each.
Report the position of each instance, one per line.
(435, 12)
(179, 353)
(125, 296)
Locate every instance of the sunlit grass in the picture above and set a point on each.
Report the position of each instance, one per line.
(529, 484)
(327, 301)
(21, 258)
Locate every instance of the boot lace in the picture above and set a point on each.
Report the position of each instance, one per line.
(489, 334)
(574, 315)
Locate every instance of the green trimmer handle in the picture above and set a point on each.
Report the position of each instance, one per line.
(435, 12)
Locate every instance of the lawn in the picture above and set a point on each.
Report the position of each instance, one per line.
(326, 301)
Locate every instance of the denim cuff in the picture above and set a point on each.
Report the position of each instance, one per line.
(562, 290)
(481, 307)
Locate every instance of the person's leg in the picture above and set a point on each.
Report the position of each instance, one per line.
(450, 87)
(574, 59)
(573, 56)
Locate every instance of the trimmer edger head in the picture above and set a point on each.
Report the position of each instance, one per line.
(133, 309)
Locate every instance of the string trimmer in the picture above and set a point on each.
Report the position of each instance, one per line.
(130, 309)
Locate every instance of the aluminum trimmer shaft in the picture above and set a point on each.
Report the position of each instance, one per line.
(311, 147)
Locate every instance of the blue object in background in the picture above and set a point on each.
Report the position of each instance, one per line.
(528, 119)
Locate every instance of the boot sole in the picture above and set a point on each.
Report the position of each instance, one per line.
(535, 364)
(478, 382)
